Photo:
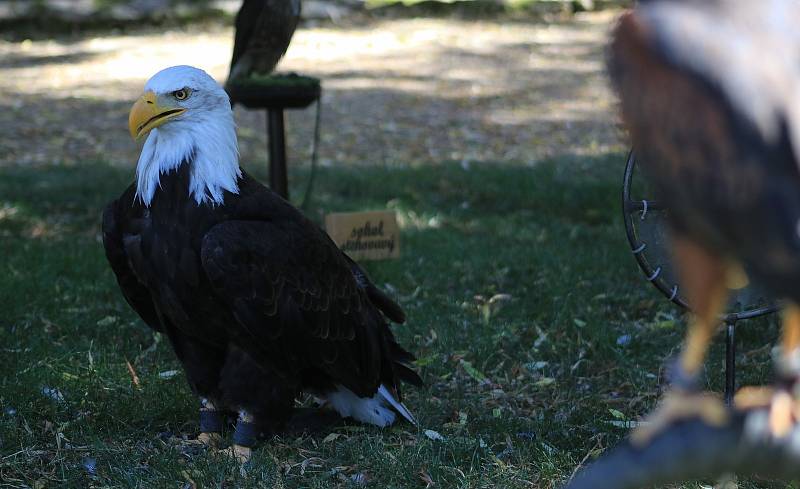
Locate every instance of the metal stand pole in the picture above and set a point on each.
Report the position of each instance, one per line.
(278, 178)
(730, 360)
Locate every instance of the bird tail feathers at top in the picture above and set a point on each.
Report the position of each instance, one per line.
(397, 405)
(387, 306)
(401, 361)
(379, 299)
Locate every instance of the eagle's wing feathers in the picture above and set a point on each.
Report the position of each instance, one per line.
(378, 298)
(290, 287)
(133, 290)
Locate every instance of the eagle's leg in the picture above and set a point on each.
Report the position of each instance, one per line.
(244, 438)
(703, 276)
(783, 401)
(784, 406)
(203, 365)
(210, 424)
(789, 361)
(263, 399)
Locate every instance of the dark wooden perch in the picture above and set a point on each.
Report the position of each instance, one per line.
(275, 93)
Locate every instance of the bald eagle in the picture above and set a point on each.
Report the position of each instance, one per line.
(257, 302)
(710, 92)
(264, 29)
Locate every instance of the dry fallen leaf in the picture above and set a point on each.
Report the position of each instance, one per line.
(426, 477)
(53, 393)
(190, 483)
(168, 374)
(331, 437)
(107, 321)
(132, 372)
(434, 435)
(360, 479)
(472, 371)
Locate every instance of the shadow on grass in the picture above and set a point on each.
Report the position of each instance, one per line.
(519, 392)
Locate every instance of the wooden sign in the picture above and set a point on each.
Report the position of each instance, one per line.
(365, 235)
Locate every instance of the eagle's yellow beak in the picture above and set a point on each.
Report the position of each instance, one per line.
(146, 115)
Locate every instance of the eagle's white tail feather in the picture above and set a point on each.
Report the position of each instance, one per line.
(378, 409)
(372, 410)
(384, 392)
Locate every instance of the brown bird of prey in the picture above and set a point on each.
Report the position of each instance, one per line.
(710, 93)
(256, 300)
(264, 29)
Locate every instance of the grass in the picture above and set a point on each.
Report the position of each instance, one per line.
(521, 393)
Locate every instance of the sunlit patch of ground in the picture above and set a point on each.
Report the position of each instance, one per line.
(395, 92)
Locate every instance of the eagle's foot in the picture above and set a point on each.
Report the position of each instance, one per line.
(787, 361)
(210, 439)
(783, 407)
(210, 425)
(783, 413)
(677, 406)
(244, 437)
(239, 453)
(752, 397)
(784, 401)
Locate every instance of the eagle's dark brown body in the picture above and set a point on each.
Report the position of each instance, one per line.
(257, 302)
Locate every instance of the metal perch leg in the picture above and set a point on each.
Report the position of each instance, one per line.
(730, 361)
(278, 174)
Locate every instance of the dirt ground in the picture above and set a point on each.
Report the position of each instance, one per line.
(395, 92)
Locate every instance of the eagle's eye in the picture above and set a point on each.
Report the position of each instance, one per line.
(181, 94)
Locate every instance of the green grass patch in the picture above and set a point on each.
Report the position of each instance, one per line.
(520, 389)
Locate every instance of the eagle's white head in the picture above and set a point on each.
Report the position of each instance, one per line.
(186, 115)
